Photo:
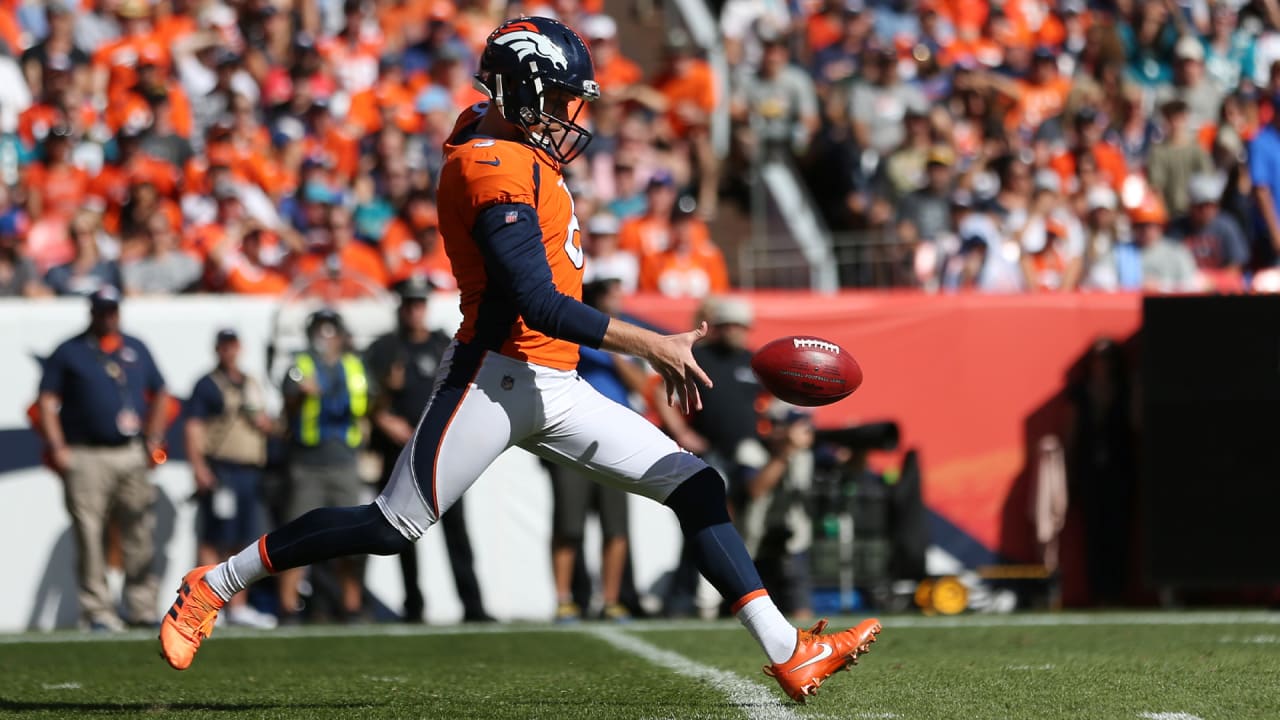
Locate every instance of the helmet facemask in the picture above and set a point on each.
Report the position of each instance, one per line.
(546, 111)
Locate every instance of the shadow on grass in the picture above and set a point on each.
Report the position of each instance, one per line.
(7, 705)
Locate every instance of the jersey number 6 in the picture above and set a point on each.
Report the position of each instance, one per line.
(573, 234)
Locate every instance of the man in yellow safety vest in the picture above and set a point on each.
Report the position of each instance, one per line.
(326, 398)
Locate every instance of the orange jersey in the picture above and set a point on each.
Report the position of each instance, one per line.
(480, 172)
(405, 256)
(693, 274)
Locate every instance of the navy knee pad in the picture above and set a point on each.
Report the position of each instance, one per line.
(699, 502)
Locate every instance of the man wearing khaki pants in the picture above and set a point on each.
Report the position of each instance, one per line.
(94, 394)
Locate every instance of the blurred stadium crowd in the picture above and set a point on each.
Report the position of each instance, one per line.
(245, 146)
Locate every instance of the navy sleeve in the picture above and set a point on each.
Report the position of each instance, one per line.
(511, 241)
(154, 380)
(206, 399)
(54, 376)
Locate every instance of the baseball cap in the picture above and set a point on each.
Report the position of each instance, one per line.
(106, 297)
(1047, 179)
(433, 99)
(603, 224)
(941, 155)
(1204, 188)
(599, 27)
(414, 287)
(661, 178)
(319, 193)
(729, 311)
(134, 9)
(226, 335)
(441, 11)
(1189, 48)
(1101, 198)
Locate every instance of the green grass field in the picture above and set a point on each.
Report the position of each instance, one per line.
(1161, 666)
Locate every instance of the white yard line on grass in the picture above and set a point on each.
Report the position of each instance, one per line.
(756, 701)
(1168, 716)
(910, 622)
(1251, 640)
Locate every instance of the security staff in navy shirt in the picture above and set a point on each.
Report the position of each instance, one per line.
(226, 435)
(402, 365)
(103, 414)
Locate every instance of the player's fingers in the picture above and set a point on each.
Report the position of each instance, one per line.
(694, 370)
(670, 383)
(693, 395)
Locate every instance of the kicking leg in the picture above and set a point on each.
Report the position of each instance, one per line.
(622, 449)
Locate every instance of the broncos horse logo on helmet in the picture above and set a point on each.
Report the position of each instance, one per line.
(524, 61)
(526, 41)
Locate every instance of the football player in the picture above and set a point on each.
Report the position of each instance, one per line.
(508, 224)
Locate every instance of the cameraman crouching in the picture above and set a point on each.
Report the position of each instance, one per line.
(775, 520)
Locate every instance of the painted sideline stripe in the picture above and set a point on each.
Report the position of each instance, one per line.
(909, 622)
(1168, 716)
(757, 702)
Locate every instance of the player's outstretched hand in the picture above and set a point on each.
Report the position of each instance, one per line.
(672, 357)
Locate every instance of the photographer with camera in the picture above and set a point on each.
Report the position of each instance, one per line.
(775, 520)
(226, 435)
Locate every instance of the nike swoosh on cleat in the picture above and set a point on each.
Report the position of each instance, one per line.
(826, 653)
(494, 162)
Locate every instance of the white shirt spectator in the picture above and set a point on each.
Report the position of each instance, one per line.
(15, 96)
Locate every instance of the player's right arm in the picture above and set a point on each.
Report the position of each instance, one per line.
(510, 240)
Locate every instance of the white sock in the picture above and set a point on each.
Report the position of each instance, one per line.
(242, 570)
(767, 625)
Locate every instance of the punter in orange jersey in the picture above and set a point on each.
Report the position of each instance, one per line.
(508, 379)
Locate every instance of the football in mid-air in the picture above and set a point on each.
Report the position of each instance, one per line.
(806, 371)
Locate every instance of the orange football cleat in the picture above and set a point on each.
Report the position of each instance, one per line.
(190, 620)
(818, 657)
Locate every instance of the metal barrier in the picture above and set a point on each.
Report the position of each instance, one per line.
(866, 259)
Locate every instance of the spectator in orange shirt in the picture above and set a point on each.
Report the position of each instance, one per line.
(827, 26)
(687, 86)
(411, 244)
(353, 52)
(129, 168)
(687, 268)
(389, 97)
(614, 72)
(56, 105)
(244, 269)
(1040, 97)
(330, 139)
(651, 233)
(115, 64)
(336, 250)
(155, 84)
(203, 240)
(55, 186)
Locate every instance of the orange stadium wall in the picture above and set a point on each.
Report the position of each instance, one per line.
(972, 380)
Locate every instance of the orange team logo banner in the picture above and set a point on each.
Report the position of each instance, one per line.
(974, 382)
